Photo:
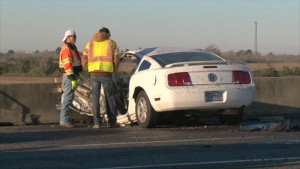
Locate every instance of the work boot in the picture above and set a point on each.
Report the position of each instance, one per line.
(68, 125)
(96, 126)
(115, 125)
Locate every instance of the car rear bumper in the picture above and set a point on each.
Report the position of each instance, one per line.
(193, 97)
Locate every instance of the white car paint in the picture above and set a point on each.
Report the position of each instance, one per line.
(165, 98)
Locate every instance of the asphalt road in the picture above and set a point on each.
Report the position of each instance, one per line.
(215, 146)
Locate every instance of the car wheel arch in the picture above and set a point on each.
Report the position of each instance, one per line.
(139, 89)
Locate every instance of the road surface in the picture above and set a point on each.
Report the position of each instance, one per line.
(212, 146)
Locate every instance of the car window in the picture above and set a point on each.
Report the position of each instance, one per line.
(169, 58)
(144, 66)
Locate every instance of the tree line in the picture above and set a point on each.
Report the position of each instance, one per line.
(45, 63)
(29, 64)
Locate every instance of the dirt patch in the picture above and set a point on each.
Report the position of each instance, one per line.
(22, 80)
(129, 67)
(277, 66)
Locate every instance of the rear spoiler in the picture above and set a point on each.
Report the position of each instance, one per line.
(178, 64)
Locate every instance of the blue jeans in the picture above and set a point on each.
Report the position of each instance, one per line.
(109, 92)
(68, 97)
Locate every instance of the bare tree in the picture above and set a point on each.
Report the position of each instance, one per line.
(213, 49)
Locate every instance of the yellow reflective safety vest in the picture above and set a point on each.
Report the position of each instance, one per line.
(100, 56)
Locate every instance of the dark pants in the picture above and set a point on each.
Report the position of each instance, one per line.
(108, 89)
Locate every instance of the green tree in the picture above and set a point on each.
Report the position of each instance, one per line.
(23, 65)
(10, 52)
(249, 52)
(57, 51)
(271, 72)
(4, 68)
(51, 67)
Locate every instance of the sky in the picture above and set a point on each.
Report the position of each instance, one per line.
(30, 25)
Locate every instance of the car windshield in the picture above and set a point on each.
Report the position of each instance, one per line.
(170, 58)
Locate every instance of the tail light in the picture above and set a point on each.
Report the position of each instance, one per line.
(179, 79)
(241, 77)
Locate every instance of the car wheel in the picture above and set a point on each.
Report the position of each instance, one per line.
(146, 115)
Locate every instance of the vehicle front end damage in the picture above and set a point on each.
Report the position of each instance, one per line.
(83, 103)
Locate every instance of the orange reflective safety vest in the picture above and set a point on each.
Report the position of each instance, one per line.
(68, 59)
(100, 56)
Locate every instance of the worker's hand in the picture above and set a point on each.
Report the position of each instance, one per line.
(80, 78)
(74, 84)
(72, 77)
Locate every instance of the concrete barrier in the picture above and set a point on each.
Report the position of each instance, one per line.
(276, 96)
(28, 103)
(35, 103)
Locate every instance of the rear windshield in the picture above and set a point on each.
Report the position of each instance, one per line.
(169, 58)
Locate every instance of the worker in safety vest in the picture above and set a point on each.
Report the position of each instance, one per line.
(70, 66)
(101, 60)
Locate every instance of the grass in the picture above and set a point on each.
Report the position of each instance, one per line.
(273, 72)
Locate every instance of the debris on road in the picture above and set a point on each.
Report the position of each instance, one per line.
(285, 125)
(269, 126)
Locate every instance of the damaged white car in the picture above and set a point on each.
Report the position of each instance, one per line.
(169, 81)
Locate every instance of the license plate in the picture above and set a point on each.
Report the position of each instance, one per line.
(213, 96)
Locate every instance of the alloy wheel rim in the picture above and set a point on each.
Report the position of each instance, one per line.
(142, 109)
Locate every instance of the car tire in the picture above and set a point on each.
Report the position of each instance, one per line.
(146, 115)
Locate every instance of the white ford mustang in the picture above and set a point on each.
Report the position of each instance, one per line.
(190, 80)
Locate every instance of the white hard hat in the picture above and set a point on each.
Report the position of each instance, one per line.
(69, 32)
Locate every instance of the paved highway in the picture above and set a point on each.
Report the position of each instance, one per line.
(215, 146)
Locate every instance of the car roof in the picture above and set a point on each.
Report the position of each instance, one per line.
(159, 50)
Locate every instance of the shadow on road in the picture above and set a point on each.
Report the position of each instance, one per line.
(22, 137)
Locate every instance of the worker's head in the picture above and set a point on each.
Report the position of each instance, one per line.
(98, 37)
(105, 33)
(70, 36)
